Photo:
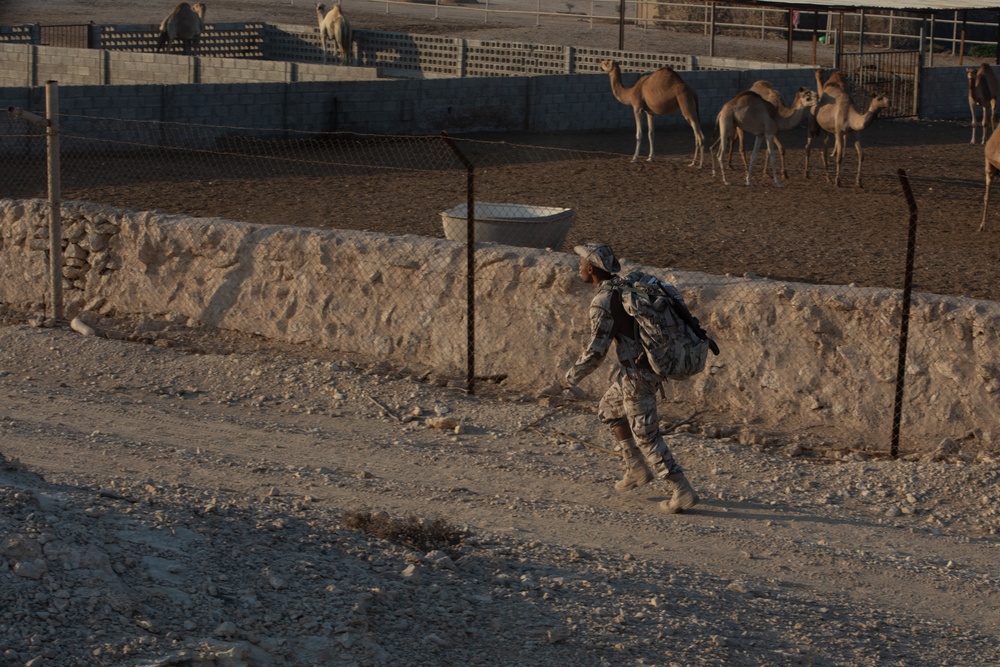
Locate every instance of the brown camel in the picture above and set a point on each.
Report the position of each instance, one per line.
(787, 118)
(184, 23)
(992, 152)
(662, 92)
(336, 29)
(834, 87)
(983, 91)
(750, 113)
(838, 118)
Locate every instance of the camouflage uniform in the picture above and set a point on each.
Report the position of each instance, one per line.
(631, 399)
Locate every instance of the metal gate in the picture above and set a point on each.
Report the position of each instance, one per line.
(896, 74)
(73, 36)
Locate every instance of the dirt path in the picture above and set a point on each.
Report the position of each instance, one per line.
(900, 546)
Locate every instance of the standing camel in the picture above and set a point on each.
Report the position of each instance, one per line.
(992, 152)
(184, 23)
(838, 118)
(983, 91)
(750, 113)
(787, 118)
(834, 87)
(334, 27)
(662, 92)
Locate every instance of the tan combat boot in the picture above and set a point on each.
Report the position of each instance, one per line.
(637, 473)
(684, 497)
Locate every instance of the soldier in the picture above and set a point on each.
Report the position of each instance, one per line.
(629, 405)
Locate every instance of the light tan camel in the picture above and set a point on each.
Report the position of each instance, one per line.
(787, 118)
(662, 92)
(839, 118)
(992, 152)
(750, 113)
(336, 29)
(184, 23)
(983, 91)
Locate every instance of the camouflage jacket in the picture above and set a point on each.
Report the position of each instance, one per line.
(609, 322)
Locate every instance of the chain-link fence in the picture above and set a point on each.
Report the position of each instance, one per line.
(840, 340)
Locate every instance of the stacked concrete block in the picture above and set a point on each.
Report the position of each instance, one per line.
(17, 64)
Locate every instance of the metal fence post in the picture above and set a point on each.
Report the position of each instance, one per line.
(55, 197)
(51, 123)
(904, 325)
(470, 282)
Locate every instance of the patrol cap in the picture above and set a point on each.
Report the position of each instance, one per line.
(600, 255)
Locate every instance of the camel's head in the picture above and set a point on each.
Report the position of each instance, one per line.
(969, 72)
(807, 97)
(609, 65)
(321, 9)
(199, 9)
(879, 101)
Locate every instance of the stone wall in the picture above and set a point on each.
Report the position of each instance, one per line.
(796, 357)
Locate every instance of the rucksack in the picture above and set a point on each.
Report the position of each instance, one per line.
(676, 345)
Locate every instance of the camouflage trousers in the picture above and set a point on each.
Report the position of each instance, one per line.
(631, 401)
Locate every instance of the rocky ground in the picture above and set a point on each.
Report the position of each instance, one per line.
(173, 497)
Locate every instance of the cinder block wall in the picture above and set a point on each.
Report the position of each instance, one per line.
(345, 294)
(944, 93)
(30, 65)
(554, 103)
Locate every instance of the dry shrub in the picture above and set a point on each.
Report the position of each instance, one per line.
(415, 532)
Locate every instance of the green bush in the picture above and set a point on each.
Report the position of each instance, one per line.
(983, 51)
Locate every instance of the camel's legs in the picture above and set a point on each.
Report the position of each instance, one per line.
(839, 144)
(809, 140)
(857, 146)
(826, 168)
(993, 110)
(729, 156)
(650, 131)
(972, 108)
(771, 150)
(724, 139)
(699, 143)
(991, 171)
(781, 155)
(638, 134)
(753, 157)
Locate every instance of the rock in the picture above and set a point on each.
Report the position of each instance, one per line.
(81, 327)
(443, 423)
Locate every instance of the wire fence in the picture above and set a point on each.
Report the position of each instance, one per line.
(402, 186)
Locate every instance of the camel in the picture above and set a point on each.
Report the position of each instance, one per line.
(983, 91)
(184, 23)
(751, 113)
(660, 93)
(833, 88)
(839, 118)
(334, 27)
(992, 152)
(788, 117)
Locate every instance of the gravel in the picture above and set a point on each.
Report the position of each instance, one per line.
(179, 497)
